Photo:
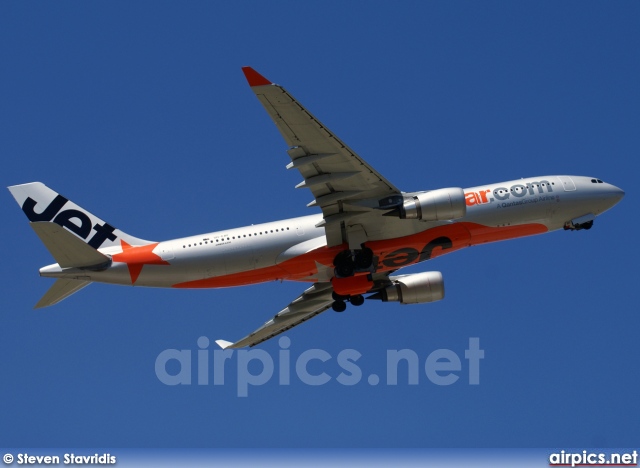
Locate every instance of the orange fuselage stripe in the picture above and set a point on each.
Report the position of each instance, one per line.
(392, 253)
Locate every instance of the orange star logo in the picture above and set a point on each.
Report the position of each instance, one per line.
(137, 257)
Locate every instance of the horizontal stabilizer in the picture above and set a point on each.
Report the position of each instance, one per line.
(61, 289)
(68, 250)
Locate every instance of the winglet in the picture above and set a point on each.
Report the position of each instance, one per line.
(254, 78)
(223, 344)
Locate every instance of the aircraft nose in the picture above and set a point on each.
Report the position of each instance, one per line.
(617, 194)
(613, 195)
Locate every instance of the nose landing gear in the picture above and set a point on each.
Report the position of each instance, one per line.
(578, 224)
(578, 227)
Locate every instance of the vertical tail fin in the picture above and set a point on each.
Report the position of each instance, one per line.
(67, 249)
(72, 234)
(40, 203)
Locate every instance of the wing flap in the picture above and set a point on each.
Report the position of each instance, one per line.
(328, 166)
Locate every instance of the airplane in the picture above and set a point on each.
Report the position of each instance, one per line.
(367, 230)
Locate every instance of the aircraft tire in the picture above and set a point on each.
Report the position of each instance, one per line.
(357, 300)
(364, 259)
(339, 306)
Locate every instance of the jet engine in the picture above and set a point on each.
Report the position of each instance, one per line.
(436, 205)
(413, 289)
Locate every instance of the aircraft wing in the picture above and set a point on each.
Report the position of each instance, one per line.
(307, 305)
(313, 301)
(338, 178)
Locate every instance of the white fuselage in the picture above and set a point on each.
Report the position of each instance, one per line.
(295, 249)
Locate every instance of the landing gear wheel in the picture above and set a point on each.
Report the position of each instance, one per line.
(339, 306)
(344, 264)
(357, 300)
(346, 269)
(338, 297)
(364, 259)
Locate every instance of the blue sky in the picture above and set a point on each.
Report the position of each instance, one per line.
(139, 112)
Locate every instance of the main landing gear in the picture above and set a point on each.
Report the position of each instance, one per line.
(349, 262)
(352, 277)
(340, 302)
(339, 306)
